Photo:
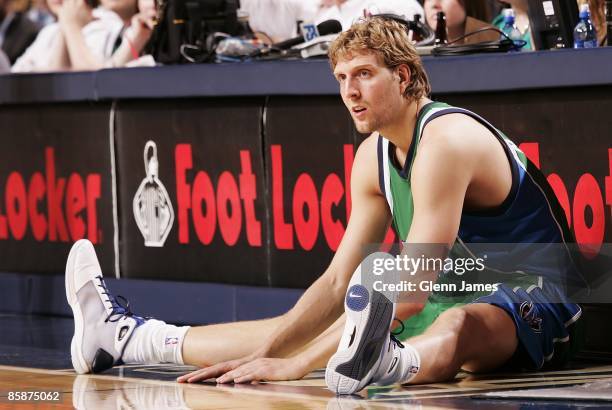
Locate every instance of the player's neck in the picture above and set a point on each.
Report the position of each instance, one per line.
(400, 132)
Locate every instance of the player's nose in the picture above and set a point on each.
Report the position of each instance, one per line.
(351, 89)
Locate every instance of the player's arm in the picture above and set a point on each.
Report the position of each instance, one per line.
(322, 303)
(312, 356)
(440, 178)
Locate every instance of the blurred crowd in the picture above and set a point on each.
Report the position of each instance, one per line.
(62, 35)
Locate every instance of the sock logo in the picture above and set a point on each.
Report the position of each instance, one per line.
(357, 298)
(413, 370)
(171, 341)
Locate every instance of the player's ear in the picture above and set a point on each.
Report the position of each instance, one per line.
(404, 75)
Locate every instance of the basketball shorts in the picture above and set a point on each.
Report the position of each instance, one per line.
(548, 327)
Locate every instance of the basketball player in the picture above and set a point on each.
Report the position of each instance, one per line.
(440, 175)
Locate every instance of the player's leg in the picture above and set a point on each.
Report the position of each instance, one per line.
(476, 337)
(211, 344)
(481, 336)
(108, 333)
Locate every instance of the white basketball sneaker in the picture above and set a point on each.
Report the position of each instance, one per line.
(368, 353)
(102, 326)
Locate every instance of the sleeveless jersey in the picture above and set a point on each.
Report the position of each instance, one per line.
(529, 215)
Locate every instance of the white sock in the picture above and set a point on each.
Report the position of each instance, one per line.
(155, 342)
(410, 363)
(403, 370)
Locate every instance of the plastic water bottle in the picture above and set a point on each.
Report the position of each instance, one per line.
(585, 35)
(510, 29)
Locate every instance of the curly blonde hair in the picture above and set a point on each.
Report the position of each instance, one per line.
(389, 39)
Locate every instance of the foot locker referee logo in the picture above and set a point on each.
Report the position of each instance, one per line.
(152, 206)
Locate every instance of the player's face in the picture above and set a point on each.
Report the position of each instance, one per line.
(370, 91)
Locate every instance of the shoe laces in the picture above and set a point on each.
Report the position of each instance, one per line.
(395, 334)
(120, 305)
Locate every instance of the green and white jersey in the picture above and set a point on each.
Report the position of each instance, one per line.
(529, 215)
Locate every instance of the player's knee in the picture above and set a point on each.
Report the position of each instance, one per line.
(458, 324)
(455, 319)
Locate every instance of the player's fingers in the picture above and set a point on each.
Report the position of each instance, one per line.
(197, 375)
(249, 377)
(205, 373)
(237, 372)
(254, 376)
(228, 377)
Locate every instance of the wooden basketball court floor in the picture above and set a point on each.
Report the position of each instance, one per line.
(35, 357)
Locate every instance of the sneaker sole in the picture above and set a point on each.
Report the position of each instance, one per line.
(78, 360)
(350, 370)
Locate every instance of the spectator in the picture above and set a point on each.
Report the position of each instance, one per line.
(462, 17)
(136, 36)
(598, 17)
(277, 19)
(17, 32)
(521, 19)
(40, 14)
(347, 11)
(82, 39)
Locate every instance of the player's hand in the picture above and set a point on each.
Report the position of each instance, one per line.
(213, 371)
(265, 369)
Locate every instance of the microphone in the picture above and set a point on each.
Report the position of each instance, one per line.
(324, 28)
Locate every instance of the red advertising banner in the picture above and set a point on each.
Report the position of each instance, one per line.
(55, 185)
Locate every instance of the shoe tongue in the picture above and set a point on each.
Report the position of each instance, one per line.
(107, 298)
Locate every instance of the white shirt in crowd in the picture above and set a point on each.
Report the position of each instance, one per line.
(100, 35)
(277, 18)
(350, 11)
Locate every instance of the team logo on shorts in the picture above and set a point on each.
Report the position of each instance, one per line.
(530, 315)
(357, 298)
(152, 206)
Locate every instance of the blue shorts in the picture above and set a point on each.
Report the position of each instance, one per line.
(546, 331)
